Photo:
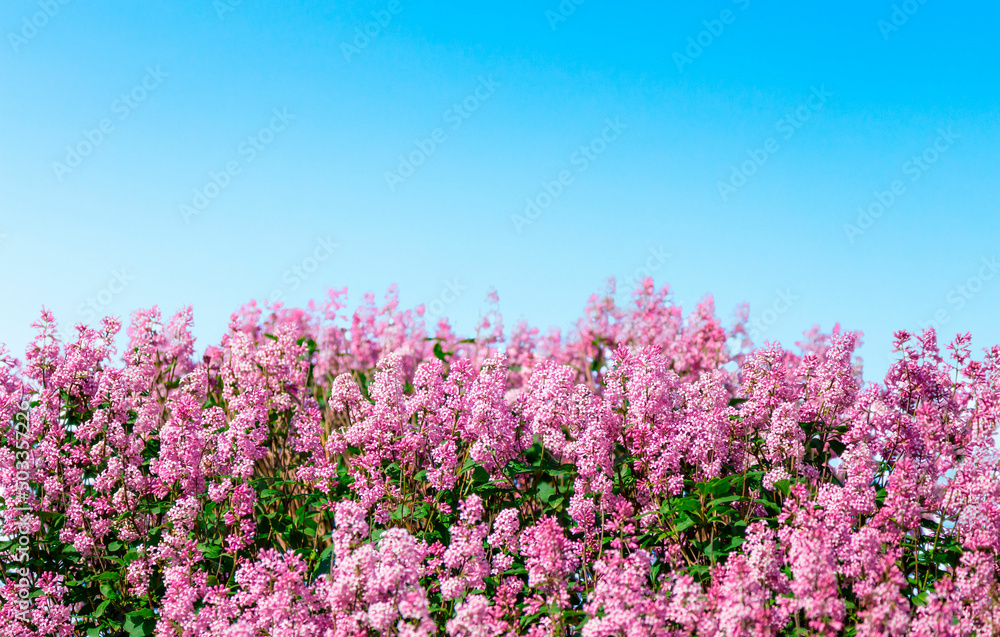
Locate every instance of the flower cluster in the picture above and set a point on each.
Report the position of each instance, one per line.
(343, 474)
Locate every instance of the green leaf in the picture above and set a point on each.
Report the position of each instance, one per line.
(325, 559)
(515, 467)
(401, 512)
(108, 592)
(210, 551)
(685, 523)
(690, 503)
(140, 623)
(439, 351)
(101, 608)
(728, 498)
(421, 512)
(768, 504)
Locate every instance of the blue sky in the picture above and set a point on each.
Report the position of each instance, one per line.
(198, 152)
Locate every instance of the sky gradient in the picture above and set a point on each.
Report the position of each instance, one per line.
(829, 163)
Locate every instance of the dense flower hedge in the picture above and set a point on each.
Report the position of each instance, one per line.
(650, 473)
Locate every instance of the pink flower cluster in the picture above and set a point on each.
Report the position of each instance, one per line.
(649, 473)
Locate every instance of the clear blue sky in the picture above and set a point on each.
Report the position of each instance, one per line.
(835, 101)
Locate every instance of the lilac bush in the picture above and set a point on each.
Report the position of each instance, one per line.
(650, 473)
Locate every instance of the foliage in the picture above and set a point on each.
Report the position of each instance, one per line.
(319, 473)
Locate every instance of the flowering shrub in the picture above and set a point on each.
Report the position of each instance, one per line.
(650, 473)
